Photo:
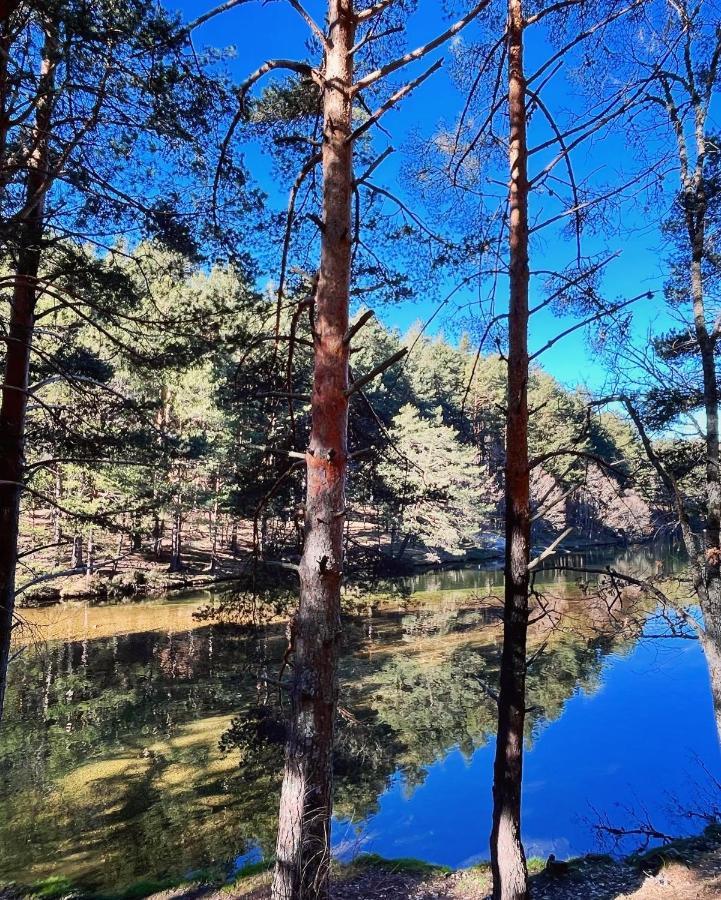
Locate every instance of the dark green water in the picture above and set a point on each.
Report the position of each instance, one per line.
(158, 752)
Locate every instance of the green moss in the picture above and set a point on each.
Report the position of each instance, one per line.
(404, 864)
(52, 887)
(59, 886)
(144, 888)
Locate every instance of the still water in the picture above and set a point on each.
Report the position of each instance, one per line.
(142, 742)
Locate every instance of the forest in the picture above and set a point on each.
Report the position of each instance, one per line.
(360, 501)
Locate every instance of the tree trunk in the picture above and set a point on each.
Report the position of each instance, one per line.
(58, 516)
(17, 359)
(90, 559)
(136, 536)
(157, 535)
(213, 526)
(710, 643)
(77, 557)
(303, 847)
(510, 878)
(175, 543)
(709, 590)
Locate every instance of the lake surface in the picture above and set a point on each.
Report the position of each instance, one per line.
(148, 743)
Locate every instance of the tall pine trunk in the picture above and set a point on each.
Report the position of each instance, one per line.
(303, 847)
(709, 592)
(508, 860)
(17, 360)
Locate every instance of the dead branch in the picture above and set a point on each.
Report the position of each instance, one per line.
(419, 52)
(376, 370)
(392, 100)
(549, 551)
(356, 326)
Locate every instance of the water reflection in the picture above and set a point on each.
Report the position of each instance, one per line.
(660, 557)
(159, 752)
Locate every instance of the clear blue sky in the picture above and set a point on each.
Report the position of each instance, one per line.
(258, 32)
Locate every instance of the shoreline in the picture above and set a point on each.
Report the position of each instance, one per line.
(684, 868)
(148, 579)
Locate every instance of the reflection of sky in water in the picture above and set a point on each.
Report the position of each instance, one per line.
(249, 858)
(635, 745)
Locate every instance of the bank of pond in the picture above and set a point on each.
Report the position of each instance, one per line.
(144, 742)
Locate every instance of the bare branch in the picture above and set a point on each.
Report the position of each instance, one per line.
(392, 100)
(376, 370)
(549, 551)
(419, 52)
(310, 22)
(371, 11)
(374, 165)
(606, 311)
(356, 326)
(216, 11)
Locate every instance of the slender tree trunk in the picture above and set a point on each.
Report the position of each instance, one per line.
(157, 534)
(136, 536)
(303, 847)
(77, 557)
(213, 525)
(510, 878)
(17, 359)
(176, 542)
(709, 591)
(58, 516)
(90, 558)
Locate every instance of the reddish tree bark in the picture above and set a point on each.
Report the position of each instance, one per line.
(510, 877)
(17, 361)
(303, 847)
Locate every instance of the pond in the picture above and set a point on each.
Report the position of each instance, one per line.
(141, 742)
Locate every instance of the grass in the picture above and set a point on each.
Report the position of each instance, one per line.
(407, 865)
(255, 872)
(51, 888)
(681, 850)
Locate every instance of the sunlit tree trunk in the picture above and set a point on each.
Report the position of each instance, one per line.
(705, 560)
(507, 856)
(17, 360)
(303, 848)
(709, 591)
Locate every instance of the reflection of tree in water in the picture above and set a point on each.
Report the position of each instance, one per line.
(110, 749)
(119, 755)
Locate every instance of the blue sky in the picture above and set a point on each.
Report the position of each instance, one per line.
(260, 31)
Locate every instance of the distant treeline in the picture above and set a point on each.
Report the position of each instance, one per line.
(169, 429)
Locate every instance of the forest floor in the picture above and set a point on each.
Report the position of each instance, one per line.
(119, 572)
(689, 869)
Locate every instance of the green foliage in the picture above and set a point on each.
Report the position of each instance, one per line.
(435, 480)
